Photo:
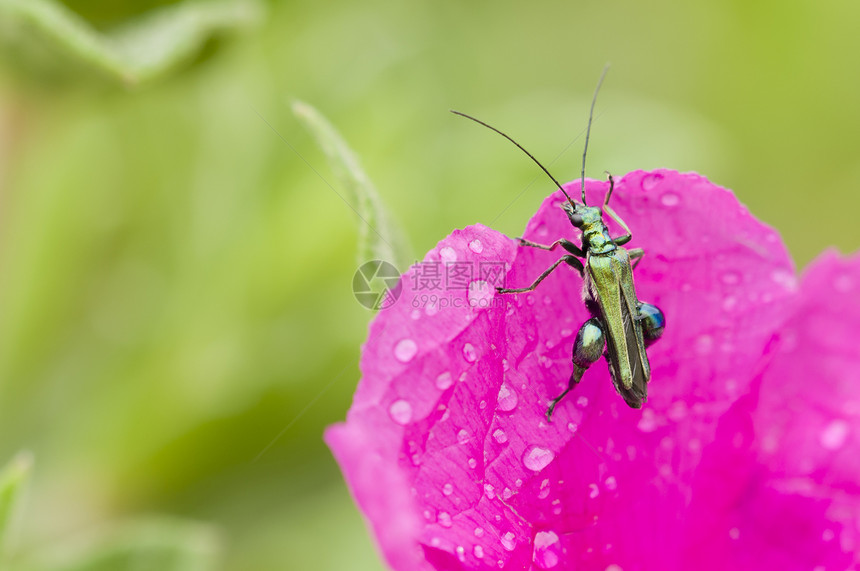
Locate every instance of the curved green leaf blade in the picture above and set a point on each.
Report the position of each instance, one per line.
(379, 238)
(138, 51)
(13, 480)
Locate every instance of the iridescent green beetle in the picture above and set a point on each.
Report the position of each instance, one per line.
(620, 325)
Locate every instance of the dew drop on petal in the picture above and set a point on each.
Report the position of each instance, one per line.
(500, 436)
(593, 491)
(415, 314)
(461, 553)
(734, 533)
(400, 411)
(536, 458)
(843, 284)
(480, 294)
(469, 352)
(507, 398)
(670, 198)
(544, 490)
(473, 463)
(651, 180)
(444, 519)
(834, 434)
(476, 246)
(784, 278)
(613, 567)
(611, 483)
(431, 309)
(489, 491)
(444, 380)
(479, 532)
(508, 541)
(448, 254)
(704, 344)
(547, 549)
(730, 278)
(478, 551)
(582, 401)
(405, 350)
(463, 436)
(648, 423)
(448, 489)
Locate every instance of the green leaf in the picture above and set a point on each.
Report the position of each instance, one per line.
(379, 238)
(13, 480)
(158, 544)
(49, 35)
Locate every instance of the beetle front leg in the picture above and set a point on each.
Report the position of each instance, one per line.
(564, 243)
(636, 254)
(589, 345)
(570, 260)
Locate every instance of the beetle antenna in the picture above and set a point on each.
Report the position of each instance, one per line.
(521, 148)
(588, 130)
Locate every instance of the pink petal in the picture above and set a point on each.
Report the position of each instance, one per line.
(791, 450)
(490, 482)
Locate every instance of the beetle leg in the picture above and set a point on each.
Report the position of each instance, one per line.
(589, 345)
(563, 242)
(571, 260)
(621, 240)
(636, 254)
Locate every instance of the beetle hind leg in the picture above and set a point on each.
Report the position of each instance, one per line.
(587, 349)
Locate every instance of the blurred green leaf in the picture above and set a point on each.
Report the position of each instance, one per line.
(379, 238)
(138, 51)
(159, 544)
(13, 480)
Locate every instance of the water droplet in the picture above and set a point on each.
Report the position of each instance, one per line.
(593, 491)
(542, 230)
(547, 550)
(489, 491)
(473, 463)
(651, 180)
(648, 422)
(834, 434)
(431, 309)
(731, 278)
(508, 541)
(507, 400)
(448, 489)
(734, 533)
(507, 493)
(784, 278)
(400, 411)
(469, 352)
(536, 458)
(544, 490)
(729, 303)
(478, 551)
(463, 436)
(479, 532)
(444, 380)
(461, 553)
(480, 294)
(582, 401)
(572, 427)
(670, 198)
(476, 246)
(611, 484)
(435, 542)
(827, 535)
(613, 567)
(704, 344)
(405, 350)
(415, 314)
(448, 254)
(444, 519)
(500, 436)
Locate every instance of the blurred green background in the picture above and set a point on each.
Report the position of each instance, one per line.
(175, 279)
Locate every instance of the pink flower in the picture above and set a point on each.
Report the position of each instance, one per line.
(745, 456)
